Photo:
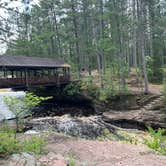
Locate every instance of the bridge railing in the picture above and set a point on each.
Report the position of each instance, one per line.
(60, 79)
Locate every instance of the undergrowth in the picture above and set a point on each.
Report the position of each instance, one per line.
(34, 145)
(157, 141)
(9, 144)
(71, 161)
(125, 137)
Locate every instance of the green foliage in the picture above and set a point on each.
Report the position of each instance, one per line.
(149, 62)
(157, 141)
(106, 135)
(79, 37)
(131, 139)
(119, 136)
(21, 107)
(35, 145)
(164, 83)
(71, 161)
(92, 90)
(8, 142)
(155, 74)
(111, 87)
(72, 89)
(102, 95)
(164, 88)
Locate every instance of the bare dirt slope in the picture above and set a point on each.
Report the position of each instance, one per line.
(95, 153)
(61, 150)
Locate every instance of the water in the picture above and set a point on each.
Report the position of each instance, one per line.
(5, 113)
(82, 127)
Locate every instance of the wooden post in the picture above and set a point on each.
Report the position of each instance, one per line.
(20, 73)
(26, 78)
(4, 72)
(12, 74)
(68, 73)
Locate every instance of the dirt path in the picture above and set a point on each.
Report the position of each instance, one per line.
(95, 153)
(136, 88)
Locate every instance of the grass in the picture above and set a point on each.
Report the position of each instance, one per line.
(34, 145)
(71, 161)
(120, 136)
(9, 144)
(157, 141)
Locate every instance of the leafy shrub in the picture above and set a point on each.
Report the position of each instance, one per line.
(164, 89)
(21, 107)
(72, 89)
(150, 69)
(109, 90)
(35, 144)
(71, 161)
(157, 140)
(8, 143)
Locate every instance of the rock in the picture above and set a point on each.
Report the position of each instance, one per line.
(32, 132)
(83, 127)
(23, 159)
(135, 119)
(52, 159)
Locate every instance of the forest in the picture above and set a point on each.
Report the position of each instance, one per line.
(121, 35)
(111, 107)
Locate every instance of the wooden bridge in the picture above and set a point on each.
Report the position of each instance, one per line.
(20, 71)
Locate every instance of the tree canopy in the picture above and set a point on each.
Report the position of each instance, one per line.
(117, 34)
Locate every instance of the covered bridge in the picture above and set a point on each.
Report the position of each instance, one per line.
(21, 71)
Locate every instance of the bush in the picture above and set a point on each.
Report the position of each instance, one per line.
(157, 140)
(22, 107)
(35, 144)
(72, 89)
(8, 143)
(164, 88)
(71, 161)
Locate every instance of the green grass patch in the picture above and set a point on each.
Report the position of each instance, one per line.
(157, 141)
(35, 144)
(9, 144)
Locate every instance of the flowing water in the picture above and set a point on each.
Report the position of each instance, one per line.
(80, 126)
(5, 113)
(84, 127)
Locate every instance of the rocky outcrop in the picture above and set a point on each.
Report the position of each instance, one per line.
(138, 118)
(25, 159)
(84, 127)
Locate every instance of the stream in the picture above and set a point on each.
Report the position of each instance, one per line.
(5, 113)
(70, 119)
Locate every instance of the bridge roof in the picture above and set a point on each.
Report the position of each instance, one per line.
(31, 62)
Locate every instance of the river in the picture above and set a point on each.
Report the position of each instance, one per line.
(5, 113)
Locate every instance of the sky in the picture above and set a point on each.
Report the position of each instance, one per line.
(4, 14)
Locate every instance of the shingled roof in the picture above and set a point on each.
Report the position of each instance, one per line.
(23, 61)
